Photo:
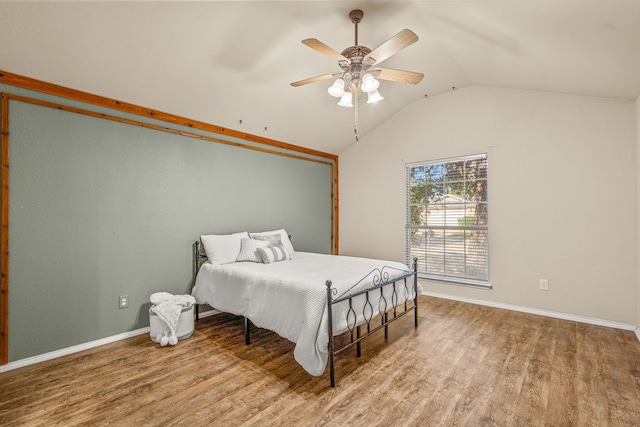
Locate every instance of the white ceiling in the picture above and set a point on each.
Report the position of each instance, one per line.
(226, 62)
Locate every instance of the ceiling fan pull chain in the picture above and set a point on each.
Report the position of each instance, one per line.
(355, 125)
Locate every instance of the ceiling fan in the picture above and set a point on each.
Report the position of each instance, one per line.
(359, 66)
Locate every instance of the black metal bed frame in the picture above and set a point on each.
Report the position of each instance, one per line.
(387, 310)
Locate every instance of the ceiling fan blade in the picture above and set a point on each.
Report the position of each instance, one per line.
(396, 43)
(324, 49)
(397, 75)
(315, 79)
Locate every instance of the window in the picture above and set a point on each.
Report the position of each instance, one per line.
(447, 213)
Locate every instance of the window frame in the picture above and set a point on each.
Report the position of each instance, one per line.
(409, 167)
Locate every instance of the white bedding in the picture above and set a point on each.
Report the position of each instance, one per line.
(289, 297)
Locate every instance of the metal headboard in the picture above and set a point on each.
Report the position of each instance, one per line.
(197, 258)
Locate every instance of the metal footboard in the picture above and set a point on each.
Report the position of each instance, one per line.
(388, 310)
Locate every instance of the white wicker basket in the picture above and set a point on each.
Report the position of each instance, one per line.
(184, 329)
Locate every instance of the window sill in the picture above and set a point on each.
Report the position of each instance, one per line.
(458, 282)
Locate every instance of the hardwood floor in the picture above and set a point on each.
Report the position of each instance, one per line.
(465, 365)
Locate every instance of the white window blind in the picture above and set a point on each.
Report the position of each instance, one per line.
(447, 216)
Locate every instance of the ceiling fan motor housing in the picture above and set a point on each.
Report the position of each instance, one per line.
(355, 68)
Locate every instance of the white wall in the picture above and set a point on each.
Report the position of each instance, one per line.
(562, 193)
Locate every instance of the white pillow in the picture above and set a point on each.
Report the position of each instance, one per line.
(272, 239)
(248, 249)
(284, 238)
(223, 248)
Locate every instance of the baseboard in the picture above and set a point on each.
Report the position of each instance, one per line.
(208, 313)
(85, 346)
(70, 350)
(638, 332)
(539, 312)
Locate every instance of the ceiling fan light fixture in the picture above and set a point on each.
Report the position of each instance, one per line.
(345, 101)
(369, 84)
(374, 96)
(337, 88)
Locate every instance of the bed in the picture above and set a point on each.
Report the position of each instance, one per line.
(360, 297)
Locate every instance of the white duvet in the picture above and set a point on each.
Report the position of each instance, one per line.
(289, 297)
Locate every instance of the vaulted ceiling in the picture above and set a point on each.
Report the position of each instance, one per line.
(230, 63)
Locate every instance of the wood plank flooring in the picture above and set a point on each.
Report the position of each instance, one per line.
(465, 365)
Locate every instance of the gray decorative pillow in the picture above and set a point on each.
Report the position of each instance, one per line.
(284, 236)
(273, 253)
(248, 249)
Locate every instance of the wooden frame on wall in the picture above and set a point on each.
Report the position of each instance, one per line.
(265, 145)
(4, 239)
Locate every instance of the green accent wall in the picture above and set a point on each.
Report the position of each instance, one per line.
(99, 208)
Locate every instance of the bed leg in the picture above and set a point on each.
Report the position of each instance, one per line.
(197, 312)
(386, 326)
(358, 344)
(332, 373)
(247, 337)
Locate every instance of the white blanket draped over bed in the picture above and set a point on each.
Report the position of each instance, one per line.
(289, 297)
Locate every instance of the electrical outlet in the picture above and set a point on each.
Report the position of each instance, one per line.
(544, 285)
(123, 301)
